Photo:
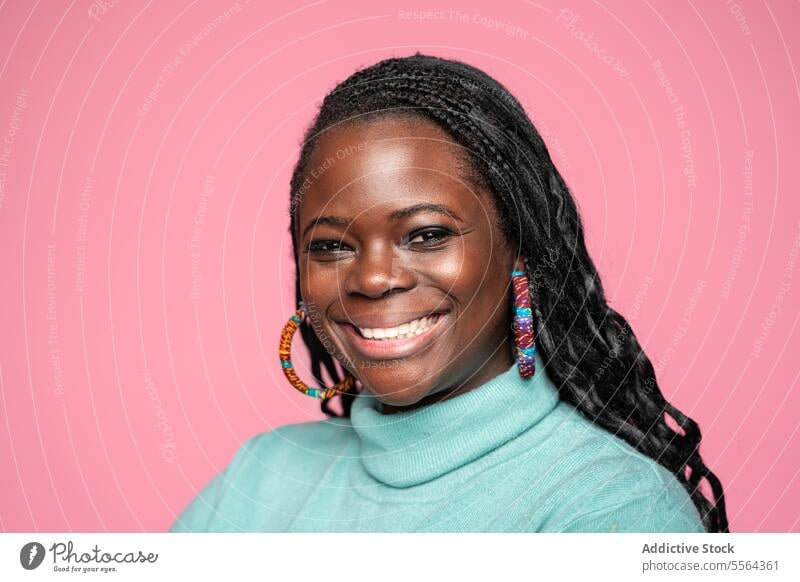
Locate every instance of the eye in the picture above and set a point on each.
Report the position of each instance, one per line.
(430, 237)
(326, 247)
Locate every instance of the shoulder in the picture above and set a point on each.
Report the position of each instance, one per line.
(262, 464)
(593, 453)
(317, 432)
(315, 438)
(608, 485)
(296, 448)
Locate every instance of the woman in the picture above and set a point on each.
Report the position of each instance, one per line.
(444, 288)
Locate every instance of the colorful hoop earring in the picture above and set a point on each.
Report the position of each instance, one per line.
(285, 354)
(522, 325)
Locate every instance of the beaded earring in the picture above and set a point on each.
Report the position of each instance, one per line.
(522, 324)
(285, 354)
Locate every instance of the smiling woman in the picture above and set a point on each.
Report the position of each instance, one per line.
(444, 287)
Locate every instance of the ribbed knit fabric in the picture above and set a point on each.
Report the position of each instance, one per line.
(508, 456)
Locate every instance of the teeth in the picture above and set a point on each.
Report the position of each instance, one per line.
(403, 330)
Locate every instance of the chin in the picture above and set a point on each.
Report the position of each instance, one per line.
(399, 400)
(391, 386)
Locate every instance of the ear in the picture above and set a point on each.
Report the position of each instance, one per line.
(519, 265)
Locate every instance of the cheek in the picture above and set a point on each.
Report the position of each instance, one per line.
(318, 289)
(467, 273)
(481, 286)
(316, 281)
(313, 289)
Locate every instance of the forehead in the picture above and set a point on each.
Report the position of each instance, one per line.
(387, 163)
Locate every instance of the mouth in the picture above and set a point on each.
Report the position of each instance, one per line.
(400, 341)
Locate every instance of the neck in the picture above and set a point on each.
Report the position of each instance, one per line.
(501, 361)
(408, 449)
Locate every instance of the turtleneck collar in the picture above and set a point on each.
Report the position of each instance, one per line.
(412, 447)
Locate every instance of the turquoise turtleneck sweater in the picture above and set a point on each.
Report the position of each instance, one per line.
(508, 456)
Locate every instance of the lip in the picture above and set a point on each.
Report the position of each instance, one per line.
(382, 320)
(371, 349)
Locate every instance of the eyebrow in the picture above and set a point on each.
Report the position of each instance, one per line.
(398, 214)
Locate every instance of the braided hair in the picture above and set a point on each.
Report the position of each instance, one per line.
(588, 348)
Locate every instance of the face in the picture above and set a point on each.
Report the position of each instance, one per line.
(403, 266)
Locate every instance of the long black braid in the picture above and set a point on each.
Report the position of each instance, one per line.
(588, 348)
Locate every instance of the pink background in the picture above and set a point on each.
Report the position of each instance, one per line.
(145, 262)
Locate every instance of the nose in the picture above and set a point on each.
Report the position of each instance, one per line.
(376, 271)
